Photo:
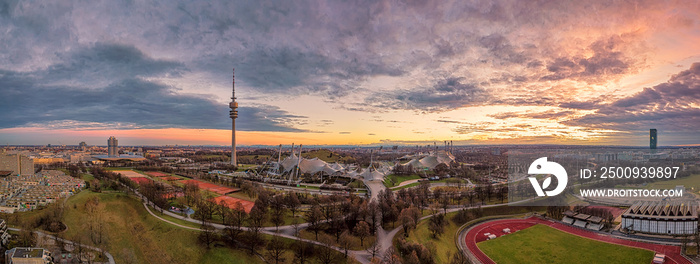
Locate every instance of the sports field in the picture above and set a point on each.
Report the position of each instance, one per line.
(231, 202)
(543, 244)
(130, 173)
(211, 187)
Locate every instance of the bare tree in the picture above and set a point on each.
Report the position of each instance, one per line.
(313, 217)
(362, 231)
(345, 242)
(373, 210)
(223, 210)
(256, 219)
(374, 249)
(275, 250)
(208, 234)
(326, 255)
(436, 225)
(292, 202)
(277, 218)
(295, 224)
(235, 222)
(301, 252)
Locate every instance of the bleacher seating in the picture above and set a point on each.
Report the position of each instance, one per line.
(568, 220)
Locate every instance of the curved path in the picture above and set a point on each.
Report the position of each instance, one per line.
(474, 234)
(284, 231)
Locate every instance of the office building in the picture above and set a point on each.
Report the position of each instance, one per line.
(17, 164)
(112, 145)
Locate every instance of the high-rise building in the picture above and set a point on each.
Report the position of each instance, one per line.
(112, 145)
(233, 114)
(17, 164)
(652, 138)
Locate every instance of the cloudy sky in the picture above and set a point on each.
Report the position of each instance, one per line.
(350, 72)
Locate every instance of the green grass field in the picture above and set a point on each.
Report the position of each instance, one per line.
(444, 244)
(543, 244)
(691, 183)
(392, 180)
(128, 227)
(406, 186)
(325, 155)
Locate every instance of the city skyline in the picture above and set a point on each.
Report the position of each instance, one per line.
(320, 73)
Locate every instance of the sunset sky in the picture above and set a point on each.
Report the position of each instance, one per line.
(350, 72)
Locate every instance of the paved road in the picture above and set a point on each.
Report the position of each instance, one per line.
(110, 259)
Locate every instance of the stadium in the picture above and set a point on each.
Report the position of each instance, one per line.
(670, 218)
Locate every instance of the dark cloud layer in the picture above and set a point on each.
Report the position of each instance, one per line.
(123, 61)
(34, 98)
(670, 106)
(608, 59)
(445, 94)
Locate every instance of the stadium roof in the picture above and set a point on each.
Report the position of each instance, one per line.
(663, 208)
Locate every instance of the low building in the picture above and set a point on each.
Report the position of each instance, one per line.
(583, 220)
(662, 217)
(4, 235)
(22, 255)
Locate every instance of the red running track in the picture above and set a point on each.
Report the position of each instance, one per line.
(476, 234)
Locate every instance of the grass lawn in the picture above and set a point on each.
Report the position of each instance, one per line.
(130, 230)
(87, 177)
(444, 245)
(406, 186)
(327, 156)
(242, 196)
(543, 244)
(691, 183)
(309, 187)
(173, 219)
(392, 180)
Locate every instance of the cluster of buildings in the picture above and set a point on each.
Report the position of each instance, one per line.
(21, 193)
(33, 155)
(23, 255)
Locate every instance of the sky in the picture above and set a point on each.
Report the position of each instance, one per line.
(350, 72)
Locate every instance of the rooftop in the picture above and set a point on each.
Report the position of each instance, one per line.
(28, 252)
(664, 208)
